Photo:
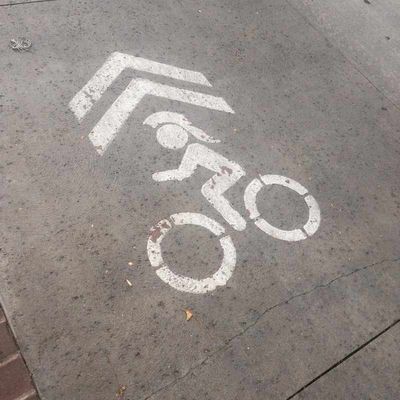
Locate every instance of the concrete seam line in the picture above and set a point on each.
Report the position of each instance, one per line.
(26, 395)
(261, 315)
(25, 2)
(349, 60)
(9, 359)
(351, 354)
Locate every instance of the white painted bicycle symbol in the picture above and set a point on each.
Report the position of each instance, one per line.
(173, 130)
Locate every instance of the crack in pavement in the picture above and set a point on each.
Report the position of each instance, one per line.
(343, 54)
(260, 316)
(25, 2)
(356, 350)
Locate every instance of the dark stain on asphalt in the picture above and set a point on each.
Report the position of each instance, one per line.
(226, 170)
(156, 232)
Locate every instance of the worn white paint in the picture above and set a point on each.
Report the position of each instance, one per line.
(184, 283)
(314, 218)
(250, 195)
(173, 131)
(84, 100)
(227, 173)
(199, 220)
(250, 200)
(172, 119)
(111, 122)
(157, 234)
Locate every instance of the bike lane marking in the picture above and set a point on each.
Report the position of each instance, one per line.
(184, 283)
(294, 235)
(111, 122)
(85, 99)
(174, 134)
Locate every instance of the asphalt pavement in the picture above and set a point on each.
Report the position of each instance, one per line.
(200, 200)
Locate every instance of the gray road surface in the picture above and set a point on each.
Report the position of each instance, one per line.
(315, 86)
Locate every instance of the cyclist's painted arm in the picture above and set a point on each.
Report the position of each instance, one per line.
(186, 169)
(169, 175)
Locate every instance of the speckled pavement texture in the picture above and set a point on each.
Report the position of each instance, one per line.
(315, 90)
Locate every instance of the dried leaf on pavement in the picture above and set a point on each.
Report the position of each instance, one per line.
(120, 392)
(189, 314)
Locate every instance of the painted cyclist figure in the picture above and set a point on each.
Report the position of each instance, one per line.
(174, 134)
(173, 131)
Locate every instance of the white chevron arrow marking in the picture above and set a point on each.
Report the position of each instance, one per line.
(111, 122)
(107, 128)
